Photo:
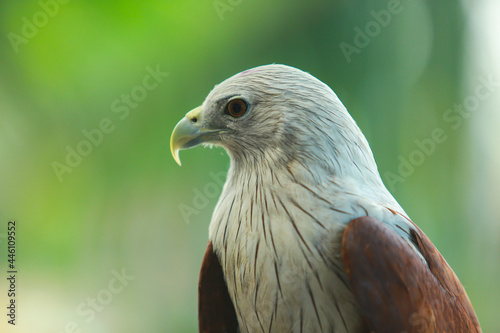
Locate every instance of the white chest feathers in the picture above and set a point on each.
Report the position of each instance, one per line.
(280, 250)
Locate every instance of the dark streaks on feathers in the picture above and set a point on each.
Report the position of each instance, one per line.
(255, 306)
(302, 164)
(317, 196)
(272, 241)
(301, 319)
(315, 272)
(278, 279)
(364, 210)
(307, 213)
(335, 268)
(403, 230)
(225, 231)
(251, 212)
(239, 218)
(294, 225)
(255, 260)
(314, 305)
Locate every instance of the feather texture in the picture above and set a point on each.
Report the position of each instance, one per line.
(300, 172)
(396, 291)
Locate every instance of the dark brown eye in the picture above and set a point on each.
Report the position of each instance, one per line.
(236, 108)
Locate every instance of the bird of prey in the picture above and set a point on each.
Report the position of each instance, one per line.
(305, 237)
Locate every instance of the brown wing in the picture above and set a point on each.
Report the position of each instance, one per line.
(215, 308)
(396, 291)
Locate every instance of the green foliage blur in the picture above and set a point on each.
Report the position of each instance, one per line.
(83, 72)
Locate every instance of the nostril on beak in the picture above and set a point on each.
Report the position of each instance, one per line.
(194, 115)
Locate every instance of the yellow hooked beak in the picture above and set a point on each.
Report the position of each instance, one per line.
(186, 134)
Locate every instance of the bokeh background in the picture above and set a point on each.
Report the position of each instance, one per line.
(67, 66)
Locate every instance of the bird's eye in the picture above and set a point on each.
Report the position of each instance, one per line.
(236, 108)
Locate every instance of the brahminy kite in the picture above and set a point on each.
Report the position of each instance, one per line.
(305, 237)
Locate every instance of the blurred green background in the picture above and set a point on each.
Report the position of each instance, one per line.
(67, 67)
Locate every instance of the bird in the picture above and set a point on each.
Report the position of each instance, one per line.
(305, 237)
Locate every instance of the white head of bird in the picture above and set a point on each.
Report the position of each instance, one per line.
(274, 115)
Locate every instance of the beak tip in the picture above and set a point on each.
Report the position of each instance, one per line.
(175, 154)
(184, 134)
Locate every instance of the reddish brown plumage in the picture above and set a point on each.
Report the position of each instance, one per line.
(215, 310)
(396, 291)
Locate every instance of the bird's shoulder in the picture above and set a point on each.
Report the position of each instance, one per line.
(396, 289)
